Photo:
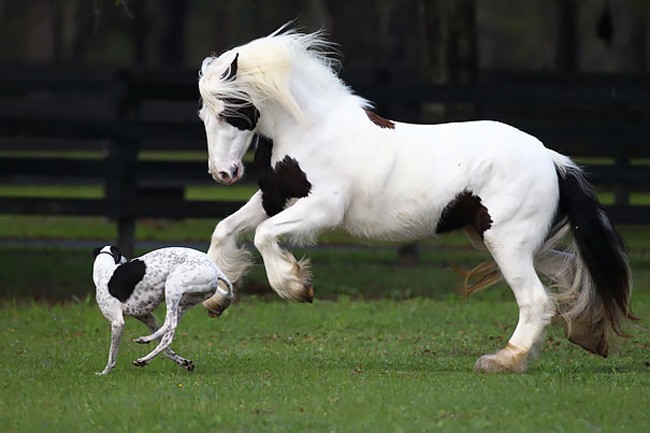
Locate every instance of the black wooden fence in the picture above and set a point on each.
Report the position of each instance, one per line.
(62, 126)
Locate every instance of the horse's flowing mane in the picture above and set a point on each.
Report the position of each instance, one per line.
(264, 66)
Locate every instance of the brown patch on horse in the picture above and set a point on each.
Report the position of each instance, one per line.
(465, 210)
(379, 121)
(281, 182)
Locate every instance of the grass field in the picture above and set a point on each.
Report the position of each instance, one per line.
(385, 347)
(347, 366)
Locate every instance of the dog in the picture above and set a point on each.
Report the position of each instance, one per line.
(182, 277)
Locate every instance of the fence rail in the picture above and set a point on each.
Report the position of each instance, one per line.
(68, 126)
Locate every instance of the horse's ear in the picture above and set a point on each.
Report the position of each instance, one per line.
(117, 254)
(96, 252)
(229, 75)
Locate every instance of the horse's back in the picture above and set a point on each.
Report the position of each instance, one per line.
(434, 164)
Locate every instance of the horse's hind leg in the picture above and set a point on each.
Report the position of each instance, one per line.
(535, 308)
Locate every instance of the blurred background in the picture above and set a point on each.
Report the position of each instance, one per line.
(609, 36)
(100, 142)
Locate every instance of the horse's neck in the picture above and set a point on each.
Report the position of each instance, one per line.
(319, 97)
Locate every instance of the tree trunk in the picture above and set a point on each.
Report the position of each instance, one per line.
(566, 40)
(450, 52)
(629, 39)
(172, 38)
(559, 43)
(40, 31)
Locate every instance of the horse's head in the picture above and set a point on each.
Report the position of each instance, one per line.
(230, 123)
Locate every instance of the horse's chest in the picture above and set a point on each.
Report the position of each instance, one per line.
(279, 182)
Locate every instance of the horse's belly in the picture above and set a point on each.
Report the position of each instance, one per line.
(409, 220)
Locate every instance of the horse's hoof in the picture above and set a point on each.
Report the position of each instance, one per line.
(142, 340)
(188, 365)
(489, 364)
(309, 294)
(507, 360)
(217, 304)
(306, 294)
(139, 363)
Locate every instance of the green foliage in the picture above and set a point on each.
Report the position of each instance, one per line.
(331, 366)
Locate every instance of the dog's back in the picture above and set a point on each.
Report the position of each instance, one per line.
(140, 283)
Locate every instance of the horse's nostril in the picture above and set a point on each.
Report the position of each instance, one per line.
(235, 171)
(223, 175)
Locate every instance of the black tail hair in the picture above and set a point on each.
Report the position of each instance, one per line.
(600, 246)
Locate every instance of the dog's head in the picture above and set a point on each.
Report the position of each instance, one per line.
(106, 260)
(112, 251)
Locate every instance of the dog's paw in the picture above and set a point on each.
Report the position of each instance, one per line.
(139, 363)
(187, 364)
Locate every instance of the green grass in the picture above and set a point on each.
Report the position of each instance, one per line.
(384, 347)
(332, 366)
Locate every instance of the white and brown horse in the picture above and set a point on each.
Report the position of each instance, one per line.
(326, 161)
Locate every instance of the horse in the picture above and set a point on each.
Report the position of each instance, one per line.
(326, 160)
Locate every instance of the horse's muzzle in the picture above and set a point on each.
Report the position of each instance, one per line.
(228, 176)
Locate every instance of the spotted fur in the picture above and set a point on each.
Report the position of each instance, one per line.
(182, 277)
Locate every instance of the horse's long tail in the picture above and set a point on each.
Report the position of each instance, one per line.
(592, 277)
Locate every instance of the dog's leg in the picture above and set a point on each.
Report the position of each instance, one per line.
(184, 288)
(117, 326)
(166, 331)
(150, 322)
(156, 334)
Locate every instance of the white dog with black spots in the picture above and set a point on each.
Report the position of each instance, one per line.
(182, 277)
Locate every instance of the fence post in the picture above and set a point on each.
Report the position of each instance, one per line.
(120, 181)
(621, 191)
(120, 190)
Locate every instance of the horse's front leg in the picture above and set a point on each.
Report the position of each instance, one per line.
(232, 259)
(300, 223)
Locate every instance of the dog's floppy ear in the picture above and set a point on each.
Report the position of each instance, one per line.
(117, 254)
(96, 252)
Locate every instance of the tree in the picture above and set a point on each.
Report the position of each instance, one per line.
(449, 50)
(40, 31)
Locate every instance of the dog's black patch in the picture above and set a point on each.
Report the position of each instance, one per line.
(464, 210)
(240, 113)
(280, 183)
(125, 278)
(115, 253)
